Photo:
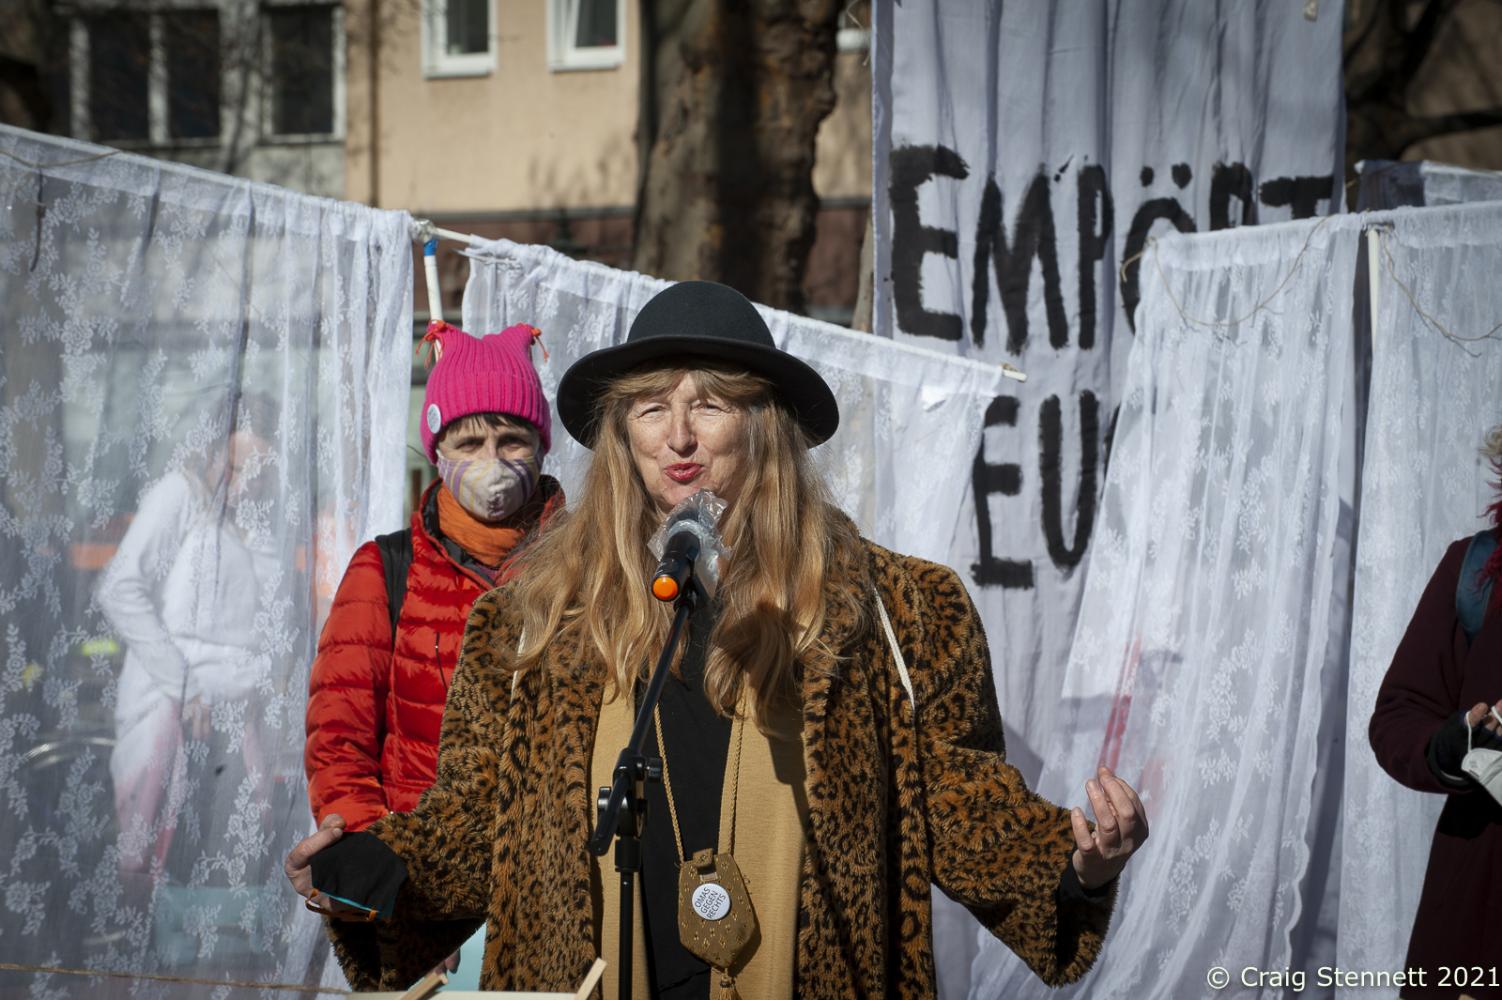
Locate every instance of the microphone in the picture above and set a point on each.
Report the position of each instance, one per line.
(678, 558)
(688, 547)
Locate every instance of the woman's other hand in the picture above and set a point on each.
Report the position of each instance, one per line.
(1460, 733)
(1120, 828)
(299, 863)
(1481, 714)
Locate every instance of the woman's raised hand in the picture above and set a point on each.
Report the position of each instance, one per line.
(1120, 828)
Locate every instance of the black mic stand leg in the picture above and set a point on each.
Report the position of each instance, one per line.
(623, 806)
(629, 827)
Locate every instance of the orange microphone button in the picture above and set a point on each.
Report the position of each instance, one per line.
(665, 588)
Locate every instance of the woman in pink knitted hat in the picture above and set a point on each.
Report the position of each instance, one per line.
(392, 638)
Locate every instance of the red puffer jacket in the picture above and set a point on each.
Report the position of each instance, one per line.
(374, 711)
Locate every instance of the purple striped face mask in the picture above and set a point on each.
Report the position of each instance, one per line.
(491, 489)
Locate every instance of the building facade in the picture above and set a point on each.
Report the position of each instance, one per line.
(517, 119)
(253, 88)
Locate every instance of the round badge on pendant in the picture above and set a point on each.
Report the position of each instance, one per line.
(435, 419)
(711, 901)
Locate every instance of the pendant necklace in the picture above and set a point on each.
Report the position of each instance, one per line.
(715, 918)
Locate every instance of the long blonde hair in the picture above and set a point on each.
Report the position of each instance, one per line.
(586, 577)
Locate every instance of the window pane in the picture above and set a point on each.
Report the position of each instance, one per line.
(596, 24)
(302, 70)
(192, 40)
(119, 56)
(467, 26)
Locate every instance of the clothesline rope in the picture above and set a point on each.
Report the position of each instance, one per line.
(424, 230)
(1388, 264)
(1292, 270)
(61, 163)
(1460, 340)
(57, 970)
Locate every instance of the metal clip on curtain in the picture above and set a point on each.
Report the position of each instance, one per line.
(424, 232)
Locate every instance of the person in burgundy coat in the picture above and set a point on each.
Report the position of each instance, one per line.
(376, 698)
(1440, 683)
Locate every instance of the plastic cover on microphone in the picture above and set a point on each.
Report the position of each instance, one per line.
(699, 514)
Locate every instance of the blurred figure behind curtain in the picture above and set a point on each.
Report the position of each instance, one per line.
(182, 592)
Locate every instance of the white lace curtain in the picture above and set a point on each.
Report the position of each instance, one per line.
(1436, 386)
(1204, 628)
(201, 388)
(1220, 661)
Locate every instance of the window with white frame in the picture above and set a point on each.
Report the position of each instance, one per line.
(458, 37)
(586, 34)
(147, 77)
(156, 77)
(302, 72)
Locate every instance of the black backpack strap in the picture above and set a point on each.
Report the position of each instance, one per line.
(1473, 593)
(396, 559)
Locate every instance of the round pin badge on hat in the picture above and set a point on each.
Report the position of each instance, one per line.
(434, 418)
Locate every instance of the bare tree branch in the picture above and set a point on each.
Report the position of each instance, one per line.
(1364, 33)
(1421, 38)
(1417, 130)
(1369, 68)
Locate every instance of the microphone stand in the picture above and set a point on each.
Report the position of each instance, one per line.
(623, 806)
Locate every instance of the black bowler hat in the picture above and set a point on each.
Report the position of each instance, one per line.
(697, 319)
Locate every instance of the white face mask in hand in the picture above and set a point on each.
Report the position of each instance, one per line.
(1484, 765)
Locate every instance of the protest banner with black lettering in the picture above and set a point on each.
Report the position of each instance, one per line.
(1027, 152)
(1026, 155)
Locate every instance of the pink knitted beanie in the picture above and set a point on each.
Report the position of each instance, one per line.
(490, 374)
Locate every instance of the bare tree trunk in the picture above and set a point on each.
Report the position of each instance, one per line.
(738, 90)
(23, 97)
(33, 66)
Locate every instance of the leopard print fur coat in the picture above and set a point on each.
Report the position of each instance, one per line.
(897, 801)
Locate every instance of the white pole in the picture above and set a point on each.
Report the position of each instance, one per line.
(1373, 251)
(430, 271)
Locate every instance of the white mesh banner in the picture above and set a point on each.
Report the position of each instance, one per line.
(1205, 629)
(1436, 387)
(201, 388)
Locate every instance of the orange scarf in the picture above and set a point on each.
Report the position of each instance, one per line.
(489, 543)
